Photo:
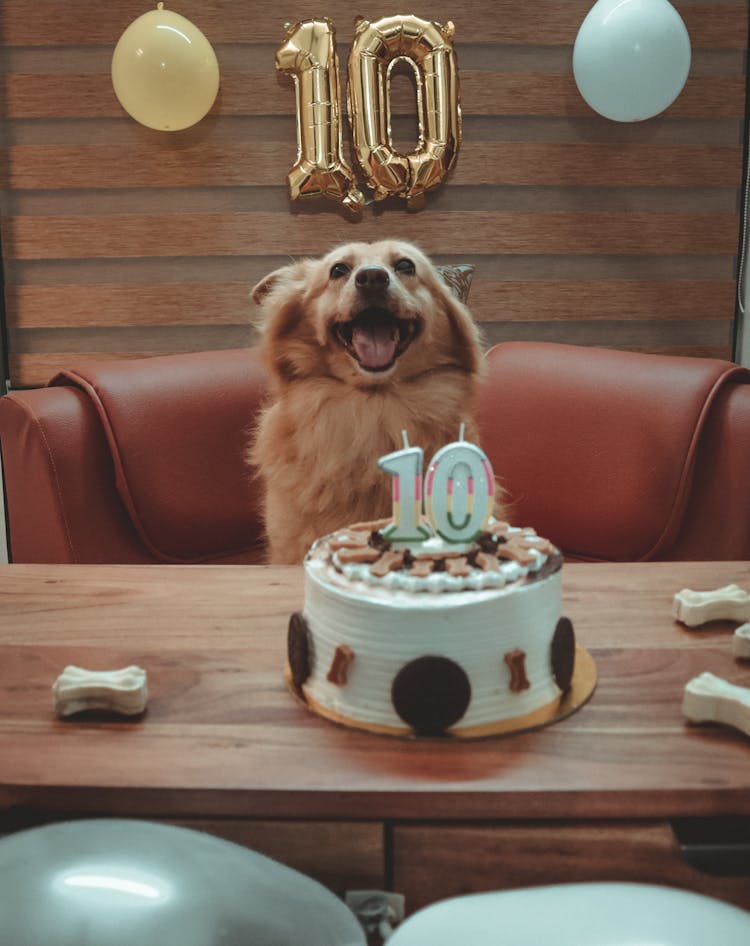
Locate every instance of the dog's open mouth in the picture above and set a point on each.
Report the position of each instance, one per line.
(376, 338)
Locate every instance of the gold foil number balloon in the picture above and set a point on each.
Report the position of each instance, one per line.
(309, 56)
(164, 71)
(428, 48)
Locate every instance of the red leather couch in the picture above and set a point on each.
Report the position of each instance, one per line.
(614, 456)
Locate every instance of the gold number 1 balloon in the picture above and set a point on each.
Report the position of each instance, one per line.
(309, 56)
(428, 48)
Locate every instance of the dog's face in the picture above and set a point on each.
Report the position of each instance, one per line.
(366, 314)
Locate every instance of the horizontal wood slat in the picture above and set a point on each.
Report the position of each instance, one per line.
(119, 240)
(33, 367)
(509, 300)
(543, 22)
(63, 167)
(266, 93)
(139, 235)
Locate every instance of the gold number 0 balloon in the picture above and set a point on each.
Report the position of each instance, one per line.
(309, 56)
(428, 48)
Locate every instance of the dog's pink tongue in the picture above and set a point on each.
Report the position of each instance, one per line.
(374, 344)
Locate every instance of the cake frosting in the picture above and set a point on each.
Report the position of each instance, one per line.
(432, 638)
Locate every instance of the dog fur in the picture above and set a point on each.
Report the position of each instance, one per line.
(346, 380)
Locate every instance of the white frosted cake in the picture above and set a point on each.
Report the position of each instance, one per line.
(432, 638)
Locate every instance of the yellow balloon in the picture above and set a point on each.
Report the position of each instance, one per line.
(164, 71)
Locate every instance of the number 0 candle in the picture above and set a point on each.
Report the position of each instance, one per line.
(459, 491)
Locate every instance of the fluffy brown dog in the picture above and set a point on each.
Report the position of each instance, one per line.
(360, 345)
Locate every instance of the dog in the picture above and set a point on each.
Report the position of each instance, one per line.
(365, 343)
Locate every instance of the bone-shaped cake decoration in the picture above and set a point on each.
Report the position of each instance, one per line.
(122, 691)
(709, 699)
(741, 642)
(693, 608)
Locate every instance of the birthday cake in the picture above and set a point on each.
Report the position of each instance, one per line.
(416, 627)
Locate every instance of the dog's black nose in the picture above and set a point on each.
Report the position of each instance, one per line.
(372, 278)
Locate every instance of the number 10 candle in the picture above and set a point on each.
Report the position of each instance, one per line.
(458, 493)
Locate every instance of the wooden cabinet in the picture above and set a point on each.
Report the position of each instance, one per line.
(434, 861)
(430, 861)
(341, 855)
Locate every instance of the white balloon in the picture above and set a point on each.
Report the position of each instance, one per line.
(631, 58)
(593, 914)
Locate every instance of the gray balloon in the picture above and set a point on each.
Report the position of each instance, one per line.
(117, 882)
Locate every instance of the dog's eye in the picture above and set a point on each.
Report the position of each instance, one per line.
(405, 266)
(339, 270)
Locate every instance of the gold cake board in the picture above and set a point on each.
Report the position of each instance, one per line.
(581, 688)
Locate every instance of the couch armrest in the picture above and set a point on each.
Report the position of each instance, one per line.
(621, 456)
(61, 498)
(135, 461)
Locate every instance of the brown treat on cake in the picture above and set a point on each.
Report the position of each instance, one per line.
(420, 567)
(458, 567)
(339, 668)
(487, 562)
(499, 528)
(516, 663)
(516, 550)
(358, 556)
(388, 562)
(349, 539)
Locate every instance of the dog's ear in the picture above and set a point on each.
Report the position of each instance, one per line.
(458, 278)
(293, 276)
(466, 333)
(287, 335)
(261, 289)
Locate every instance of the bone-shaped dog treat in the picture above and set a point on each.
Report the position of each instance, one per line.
(116, 691)
(698, 607)
(709, 699)
(741, 642)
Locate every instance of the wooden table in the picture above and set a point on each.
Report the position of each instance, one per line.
(224, 745)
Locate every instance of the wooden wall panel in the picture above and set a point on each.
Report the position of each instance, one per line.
(122, 241)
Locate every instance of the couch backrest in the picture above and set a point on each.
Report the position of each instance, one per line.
(614, 456)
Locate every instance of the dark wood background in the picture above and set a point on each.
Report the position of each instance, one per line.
(119, 240)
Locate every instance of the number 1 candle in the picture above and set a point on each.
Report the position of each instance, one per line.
(405, 466)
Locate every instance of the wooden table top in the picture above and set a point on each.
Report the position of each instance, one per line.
(222, 736)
